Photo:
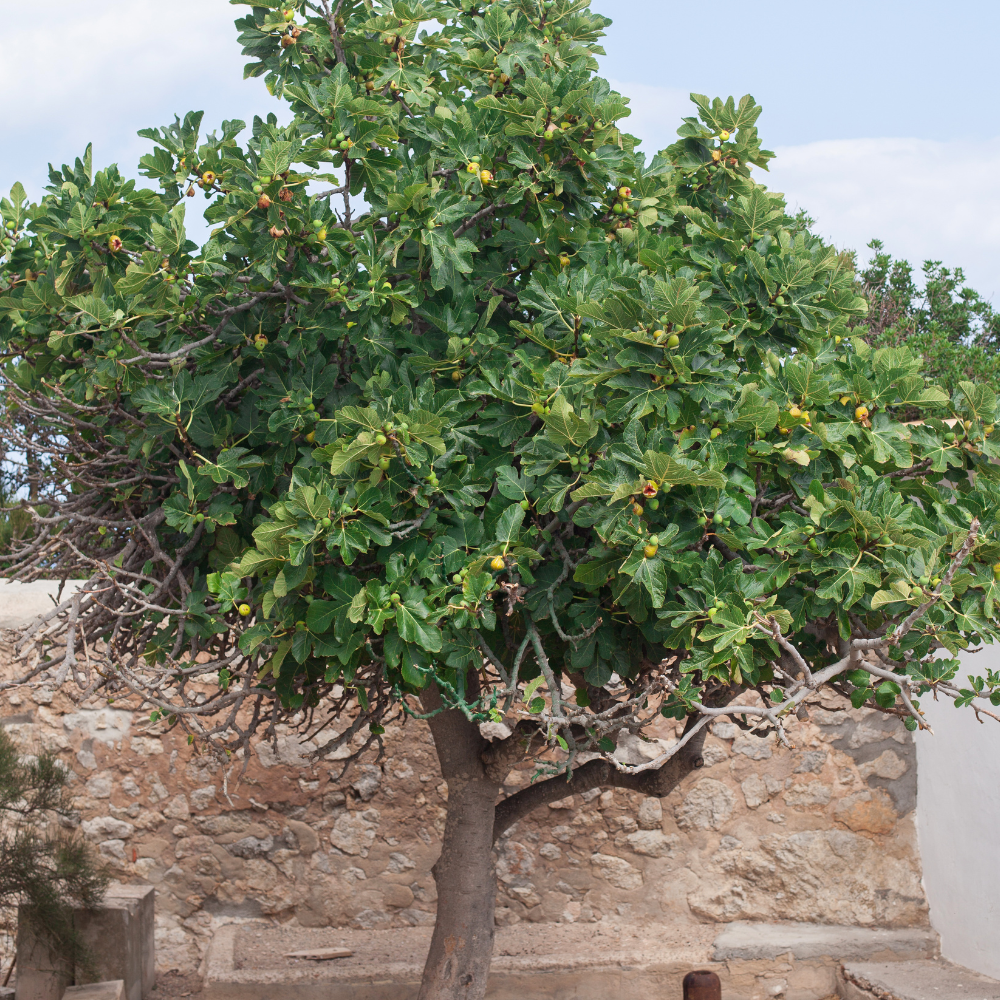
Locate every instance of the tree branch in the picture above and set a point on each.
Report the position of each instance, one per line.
(602, 774)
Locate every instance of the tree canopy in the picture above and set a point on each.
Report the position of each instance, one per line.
(470, 407)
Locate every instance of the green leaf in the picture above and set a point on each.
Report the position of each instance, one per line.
(509, 524)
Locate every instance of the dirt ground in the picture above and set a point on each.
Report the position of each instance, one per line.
(174, 985)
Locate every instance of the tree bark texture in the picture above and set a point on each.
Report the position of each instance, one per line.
(458, 963)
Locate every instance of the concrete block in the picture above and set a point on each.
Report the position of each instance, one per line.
(119, 933)
(120, 936)
(752, 941)
(40, 975)
(921, 980)
(112, 990)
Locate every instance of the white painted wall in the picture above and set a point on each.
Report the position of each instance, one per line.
(20, 602)
(958, 821)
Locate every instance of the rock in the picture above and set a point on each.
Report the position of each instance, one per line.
(42, 696)
(399, 863)
(724, 730)
(515, 862)
(550, 851)
(131, 787)
(650, 816)
(652, 843)
(871, 810)
(416, 918)
(202, 798)
(708, 805)
(874, 728)
(291, 751)
(99, 786)
(112, 849)
(107, 827)
(811, 793)
(366, 785)
(634, 750)
(493, 731)
(305, 836)
(754, 791)
(399, 897)
(812, 761)
(566, 803)
(754, 747)
(354, 833)
(369, 919)
(227, 822)
(714, 753)
(177, 808)
(251, 847)
(830, 875)
(86, 760)
(146, 746)
(157, 790)
(887, 764)
(617, 871)
(105, 724)
(525, 894)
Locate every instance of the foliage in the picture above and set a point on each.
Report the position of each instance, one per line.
(43, 868)
(540, 409)
(951, 325)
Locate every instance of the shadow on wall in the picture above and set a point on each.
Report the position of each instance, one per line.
(958, 816)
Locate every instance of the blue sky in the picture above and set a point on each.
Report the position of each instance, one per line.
(882, 113)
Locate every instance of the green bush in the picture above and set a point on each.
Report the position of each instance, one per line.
(950, 325)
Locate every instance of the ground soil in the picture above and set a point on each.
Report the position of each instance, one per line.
(175, 985)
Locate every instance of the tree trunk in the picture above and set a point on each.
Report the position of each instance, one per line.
(458, 963)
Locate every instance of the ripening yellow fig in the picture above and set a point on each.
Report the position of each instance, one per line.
(472, 167)
(244, 610)
(497, 563)
(114, 244)
(724, 135)
(861, 412)
(485, 176)
(716, 155)
(564, 260)
(649, 551)
(208, 176)
(794, 411)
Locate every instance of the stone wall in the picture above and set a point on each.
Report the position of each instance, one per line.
(822, 833)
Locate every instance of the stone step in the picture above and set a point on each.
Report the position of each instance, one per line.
(113, 989)
(250, 961)
(919, 980)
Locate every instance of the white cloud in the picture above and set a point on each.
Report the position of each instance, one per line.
(923, 199)
(99, 70)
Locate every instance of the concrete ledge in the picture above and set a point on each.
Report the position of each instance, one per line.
(926, 980)
(550, 961)
(112, 990)
(751, 941)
